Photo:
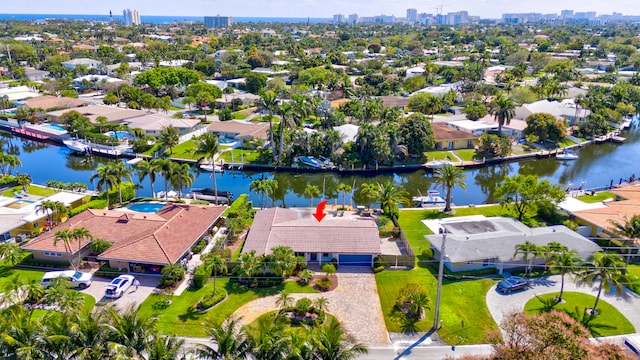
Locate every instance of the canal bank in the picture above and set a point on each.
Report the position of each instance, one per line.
(598, 165)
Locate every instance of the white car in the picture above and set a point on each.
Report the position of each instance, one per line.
(76, 279)
(118, 286)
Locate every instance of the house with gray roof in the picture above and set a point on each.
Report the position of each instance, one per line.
(86, 62)
(351, 240)
(478, 242)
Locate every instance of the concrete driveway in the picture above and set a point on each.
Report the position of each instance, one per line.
(355, 303)
(502, 304)
(131, 296)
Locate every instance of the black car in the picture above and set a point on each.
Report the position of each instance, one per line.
(513, 283)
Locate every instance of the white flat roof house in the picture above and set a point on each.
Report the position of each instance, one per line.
(478, 242)
(88, 63)
(477, 127)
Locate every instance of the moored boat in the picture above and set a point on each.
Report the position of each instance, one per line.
(438, 164)
(76, 145)
(211, 168)
(567, 155)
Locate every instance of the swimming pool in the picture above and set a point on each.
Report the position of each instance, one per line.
(55, 127)
(119, 134)
(146, 207)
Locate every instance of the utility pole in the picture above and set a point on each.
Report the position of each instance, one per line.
(436, 315)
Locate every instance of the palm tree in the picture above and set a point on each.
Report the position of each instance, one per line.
(106, 179)
(161, 166)
(448, 177)
(630, 229)
(90, 339)
(609, 271)
(169, 137)
(10, 253)
(121, 171)
(24, 180)
(182, 177)
(268, 340)
(345, 188)
(284, 300)
(563, 263)
(207, 146)
(320, 304)
(248, 265)
(165, 347)
(259, 187)
(284, 110)
(268, 101)
(503, 110)
(528, 251)
(66, 236)
(331, 343)
(311, 191)
(217, 264)
(230, 341)
(144, 168)
(271, 185)
(369, 191)
(5, 103)
(388, 195)
(129, 331)
(80, 234)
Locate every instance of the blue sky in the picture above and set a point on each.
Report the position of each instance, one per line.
(312, 8)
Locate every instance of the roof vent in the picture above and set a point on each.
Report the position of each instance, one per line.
(144, 216)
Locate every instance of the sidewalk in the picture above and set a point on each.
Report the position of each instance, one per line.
(197, 261)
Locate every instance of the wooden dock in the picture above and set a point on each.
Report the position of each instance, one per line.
(29, 134)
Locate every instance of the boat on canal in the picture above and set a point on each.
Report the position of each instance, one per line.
(438, 164)
(432, 199)
(567, 155)
(211, 168)
(76, 145)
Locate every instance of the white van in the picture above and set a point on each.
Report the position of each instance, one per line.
(77, 279)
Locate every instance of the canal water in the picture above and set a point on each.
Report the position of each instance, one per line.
(598, 166)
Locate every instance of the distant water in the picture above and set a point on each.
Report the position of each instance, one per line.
(157, 19)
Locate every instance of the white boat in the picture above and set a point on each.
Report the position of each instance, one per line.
(210, 168)
(432, 199)
(438, 164)
(567, 155)
(76, 145)
(618, 139)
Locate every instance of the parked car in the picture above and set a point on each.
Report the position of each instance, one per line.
(76, 279)
(118, 286)
(513, 283)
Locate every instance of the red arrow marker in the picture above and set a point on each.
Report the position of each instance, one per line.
(319, 215)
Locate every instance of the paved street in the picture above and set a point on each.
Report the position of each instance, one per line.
(354, 302)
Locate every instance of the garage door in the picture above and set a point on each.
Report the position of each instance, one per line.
(354, 260)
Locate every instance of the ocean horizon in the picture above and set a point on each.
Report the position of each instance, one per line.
(157, 19)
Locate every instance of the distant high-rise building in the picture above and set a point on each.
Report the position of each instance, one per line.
(130, 18)
(566, 14)
(412, 15)
(353, 18)
(338, 18)
(218, 21)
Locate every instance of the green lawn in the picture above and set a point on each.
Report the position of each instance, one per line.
(463, 311)
(239, 115)
(608, 322)
(180, 318)
(466, 154)
(250, 156)
(31, 189)
(157, 146)
(185, 151)
(633, 271)
(439, 155)
(6, 273)
(598, 197)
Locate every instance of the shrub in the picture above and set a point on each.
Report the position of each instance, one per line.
(305, 276)
(302, 306)
(212, 299)
(199, 246)
(324, 284)
(301, 263)
(334, 262)
(99, 245)
(200, 276)
(171, 275)
(95, 203)
(330, 269)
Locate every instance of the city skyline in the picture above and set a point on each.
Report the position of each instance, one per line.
(316, 8)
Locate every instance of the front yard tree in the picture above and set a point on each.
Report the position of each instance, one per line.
(412, 302)
(207, 147)
(106, 179)
(524, 193)
(217, 264)
(607, 270)
(494, 145)
(80, 234)
(203, 94)
(282, 261)
(170, 137)
(66, 237)
(563, 263)
(448, 177)
(503, 110)
(529, 253)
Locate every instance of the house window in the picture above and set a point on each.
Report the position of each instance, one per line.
(325, 255)
(486, 262)
(35, 225)
(452, 144)
(469, 143)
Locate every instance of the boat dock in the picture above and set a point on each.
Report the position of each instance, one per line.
(29, 134)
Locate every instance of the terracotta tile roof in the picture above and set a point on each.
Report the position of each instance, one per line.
(49, 102)
(442, 132)
(242, 129)
(303, 233)
(161, 238)
(616, 211)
